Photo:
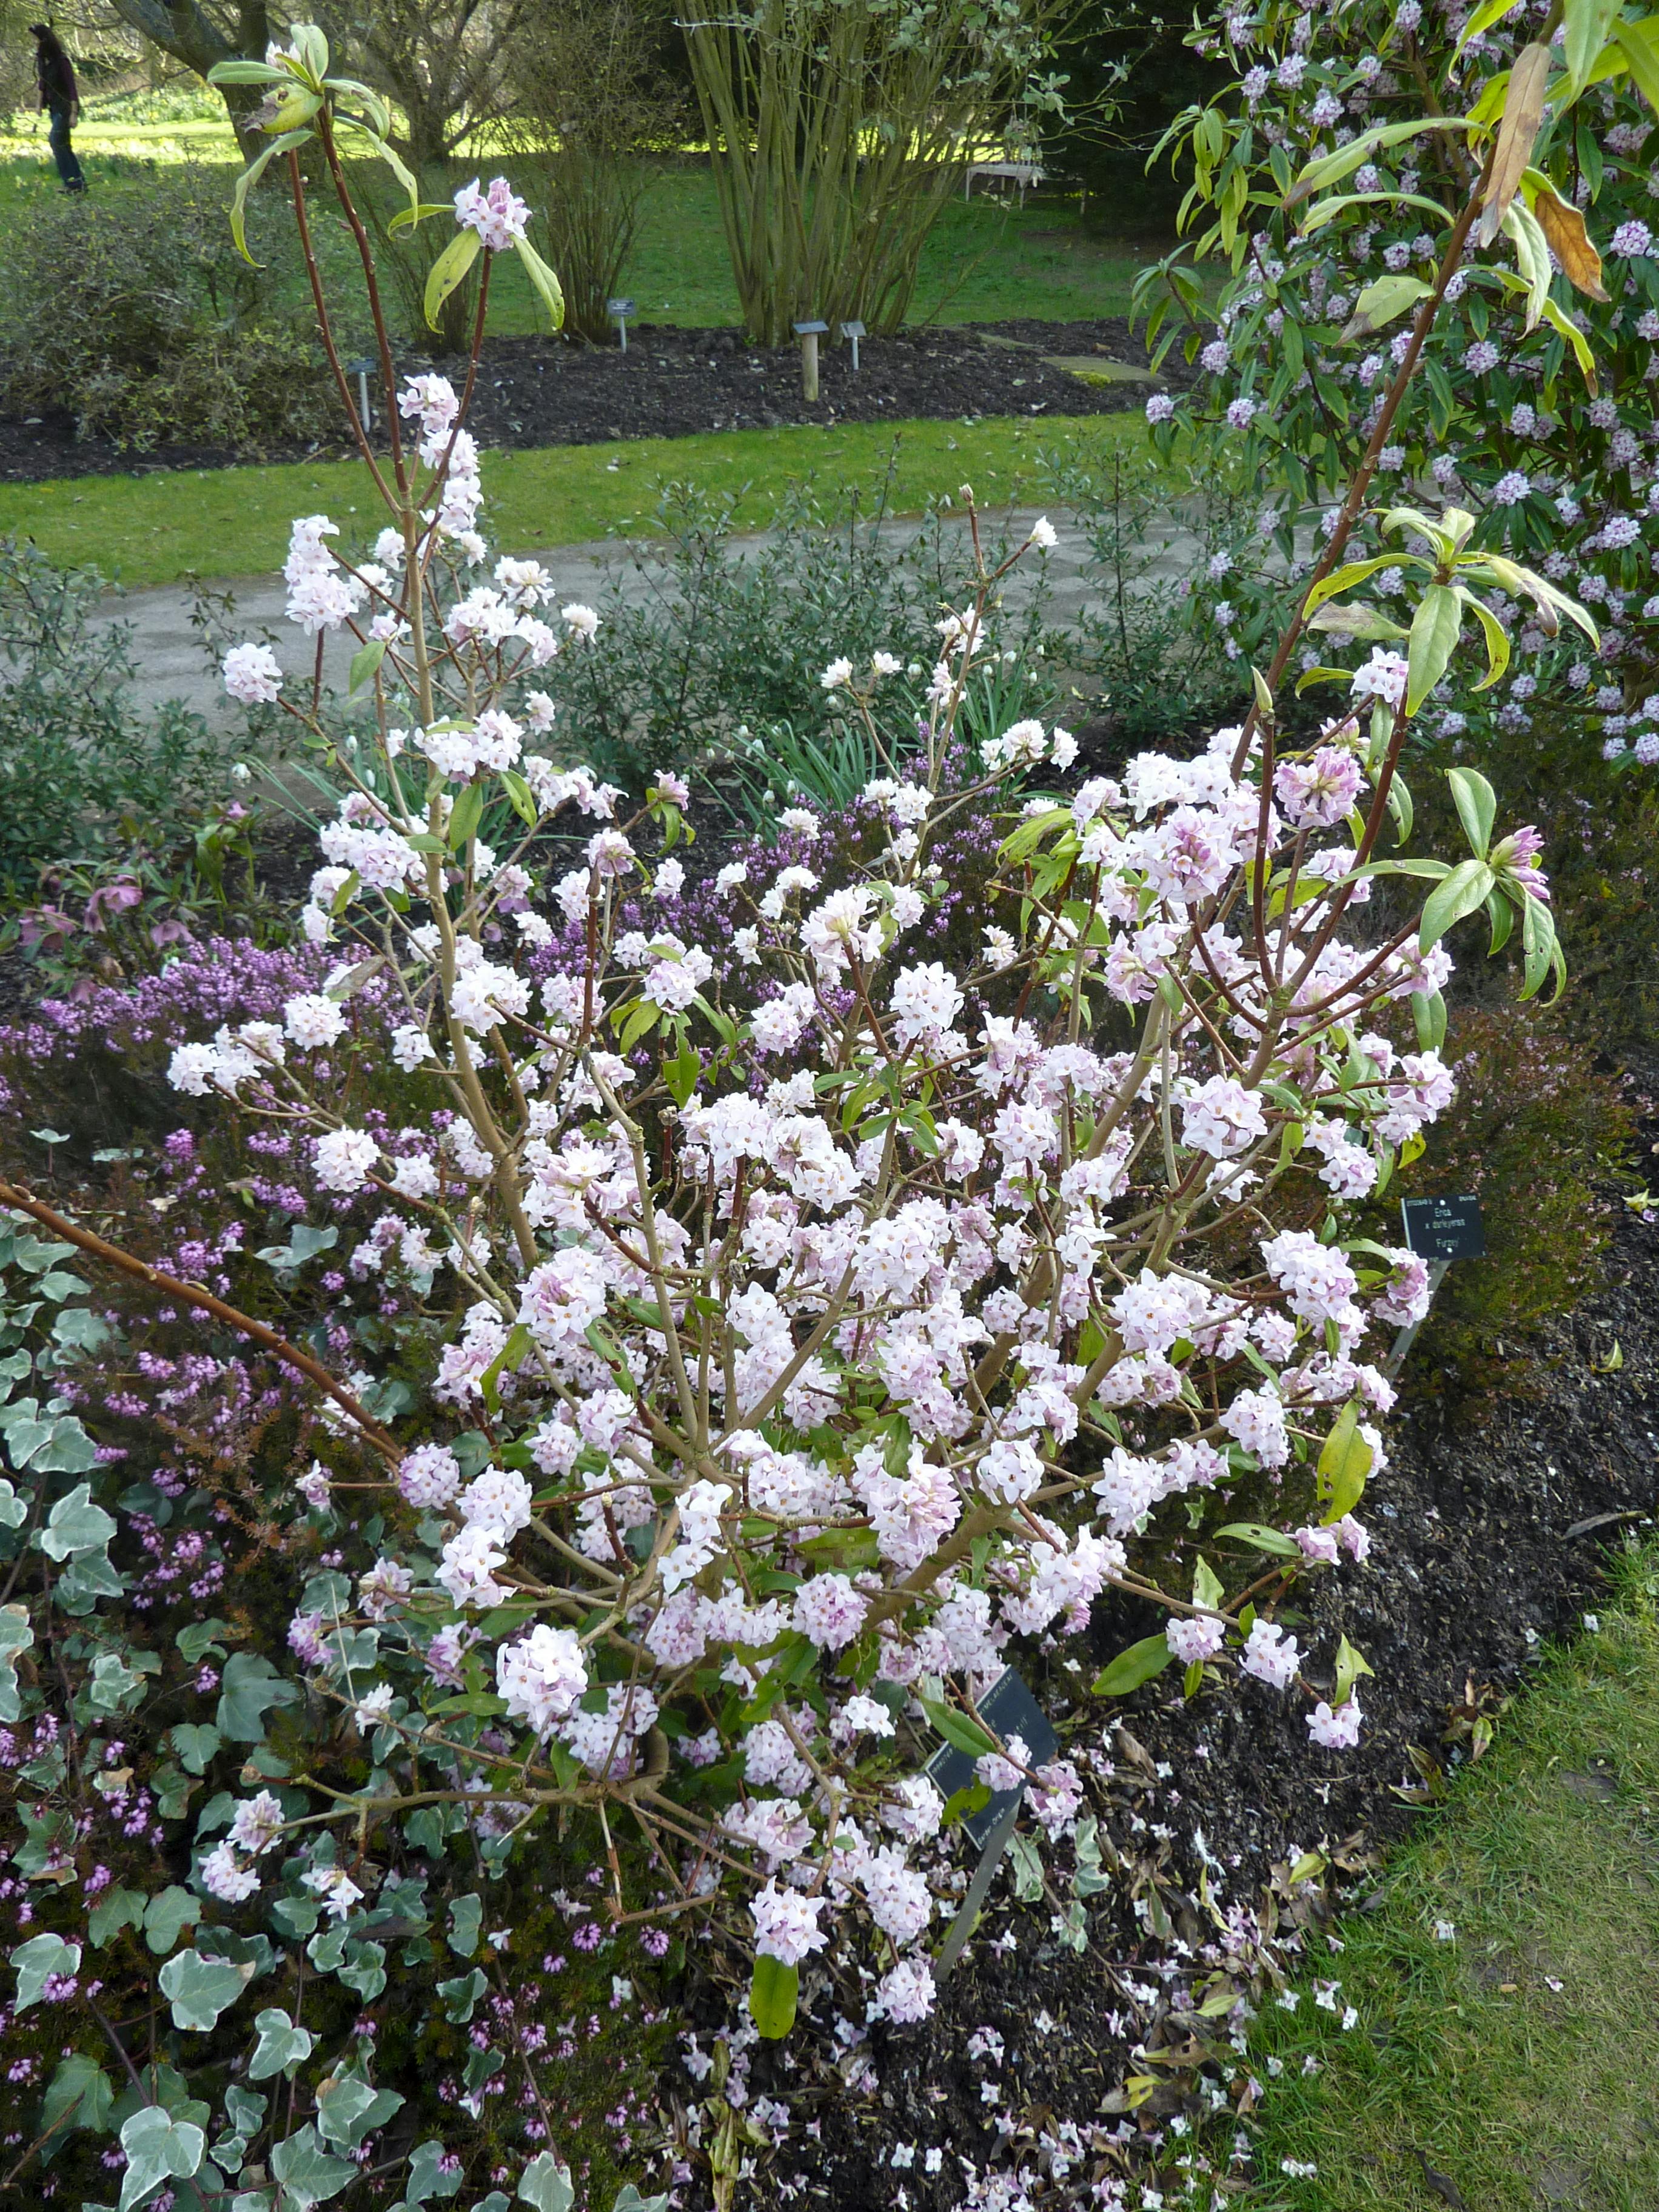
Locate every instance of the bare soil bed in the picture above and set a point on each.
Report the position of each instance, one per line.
(1488, 1522)
(673, 383)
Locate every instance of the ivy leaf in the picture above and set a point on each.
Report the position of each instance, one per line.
(75, 1524)
(309, 2175)
(773, 1990)
(159, 2148)
(199, 1989)
(461, 1996)
(80, 2088)
(425, 2177)
(281, 2045)
(16, 1637)
(348, 2108)
(1207, 1587)
(1137, 1664)
(629, 2199)
(116, 1909)
(37, 1961)
(465, 1919)
(166, 1915)
(249, 1687)
(545, 2183)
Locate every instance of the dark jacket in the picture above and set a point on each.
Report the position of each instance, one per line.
(55, 77)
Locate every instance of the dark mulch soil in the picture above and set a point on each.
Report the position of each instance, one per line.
(672, 382)
(1480, 1551)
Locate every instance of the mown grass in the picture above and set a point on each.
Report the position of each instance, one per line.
(984, 262)
(1519, 2059)
(158, 528)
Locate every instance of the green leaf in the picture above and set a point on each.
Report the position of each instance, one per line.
(959, 1730)
(1350, 1666)
(248, 1689)
(629, 2199)
(773, 1990)
(408, 218)
(1379, 304)
(1488, 13)
(364, 662)
(75, 1524)
(1477, 806)
(1497, 642)
(519, 792)
(159, 2148)
(116, 1909)
(1586, 25)
(168, 1913)
(348, 2108)
(194, 1741)
(1137, 1664)
(449, 270)
(199, 1989)
(465, 1919)
(16, 1637)
(1429, 1015)
(281, 2045)
(1208, 1590)
(1261, 1538)
(246, 72)
(468, 811)
(546, 283)
(37, 1961)
(1435, 627)
(309, 2175)
(1558, 319)
(460, 1996)
(1461, 892)
(80, 2088)
(1344, 1461)
(250, 176)
(545, 2183)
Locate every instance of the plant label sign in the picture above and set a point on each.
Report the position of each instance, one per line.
(1008, 1708)
(1443, 1228)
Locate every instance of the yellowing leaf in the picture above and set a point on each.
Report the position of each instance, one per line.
(1523, 114)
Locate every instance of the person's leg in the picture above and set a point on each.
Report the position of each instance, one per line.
(68, 167)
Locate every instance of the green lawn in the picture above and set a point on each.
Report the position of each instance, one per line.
(1520, 2055)
(234, 522)
(983, 263)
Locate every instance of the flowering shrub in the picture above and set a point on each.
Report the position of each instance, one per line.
(1550, 442)
(778, 1323)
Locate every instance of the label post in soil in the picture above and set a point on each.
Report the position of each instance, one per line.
(809, 334)
(1008, 1708)
(854, 333)
(1439, 1230)
(619, 311)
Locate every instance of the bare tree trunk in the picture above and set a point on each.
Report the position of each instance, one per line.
(199, 37)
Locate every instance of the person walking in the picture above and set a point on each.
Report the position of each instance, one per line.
(59, 101)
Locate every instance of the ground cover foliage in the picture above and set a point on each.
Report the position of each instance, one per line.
(368, 1506)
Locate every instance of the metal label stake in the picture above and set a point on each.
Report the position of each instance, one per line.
(1439, 1230)
(1008, 1708)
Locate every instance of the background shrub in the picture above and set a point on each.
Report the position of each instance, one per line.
(139, 315)
(82, 771)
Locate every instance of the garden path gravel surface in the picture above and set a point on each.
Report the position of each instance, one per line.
(166, 649)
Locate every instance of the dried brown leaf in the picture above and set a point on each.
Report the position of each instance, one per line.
(1562, 226)
(1523, 116)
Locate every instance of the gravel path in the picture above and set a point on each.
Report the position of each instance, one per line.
(169, 656)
